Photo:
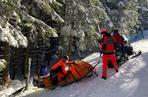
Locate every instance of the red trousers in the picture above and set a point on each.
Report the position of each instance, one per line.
(105, 59)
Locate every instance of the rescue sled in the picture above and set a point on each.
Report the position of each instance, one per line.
(76, 72)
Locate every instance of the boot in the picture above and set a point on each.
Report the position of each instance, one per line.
(103, 77)
(117, 70)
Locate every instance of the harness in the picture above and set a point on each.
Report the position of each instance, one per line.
(108, 41)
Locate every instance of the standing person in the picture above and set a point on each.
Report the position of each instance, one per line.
(119, 41)
(108, 47)
(119, 38)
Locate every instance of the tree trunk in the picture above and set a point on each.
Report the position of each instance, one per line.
(28, 74)
(27, 65)
(14, 62)
(6, 76)
(70, 46)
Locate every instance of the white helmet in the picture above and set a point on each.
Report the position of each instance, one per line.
(125, 38)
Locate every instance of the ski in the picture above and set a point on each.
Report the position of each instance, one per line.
(135, 54)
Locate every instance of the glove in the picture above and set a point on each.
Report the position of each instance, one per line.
(101, 51)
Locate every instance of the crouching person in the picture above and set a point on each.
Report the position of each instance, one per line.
(60, 69)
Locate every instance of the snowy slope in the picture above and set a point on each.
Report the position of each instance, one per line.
(130, 81)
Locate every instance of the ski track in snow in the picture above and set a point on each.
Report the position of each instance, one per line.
(130, 81)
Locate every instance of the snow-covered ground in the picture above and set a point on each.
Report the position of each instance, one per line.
(130, 81)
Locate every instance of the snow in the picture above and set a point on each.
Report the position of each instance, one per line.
(14, 86)
(12, 36)
(130, 81)
(2, 64)
(144, 8)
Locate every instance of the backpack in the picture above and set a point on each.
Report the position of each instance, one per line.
(121, 39)
(108, 41)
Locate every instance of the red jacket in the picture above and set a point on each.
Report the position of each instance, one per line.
(108, 44)
(61, 63)
(119, 38)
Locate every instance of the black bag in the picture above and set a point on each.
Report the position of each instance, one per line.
(129, 50)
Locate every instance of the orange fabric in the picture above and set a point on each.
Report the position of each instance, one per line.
(60, 63)
(60, 75)
(74, 72)
(63, 64)
(47, 82)
(82, 71)
(82, 67)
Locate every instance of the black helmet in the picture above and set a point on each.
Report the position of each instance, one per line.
(115, 31)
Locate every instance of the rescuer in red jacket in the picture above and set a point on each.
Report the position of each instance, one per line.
(108, 47)
(119, 38)
(120, 44)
